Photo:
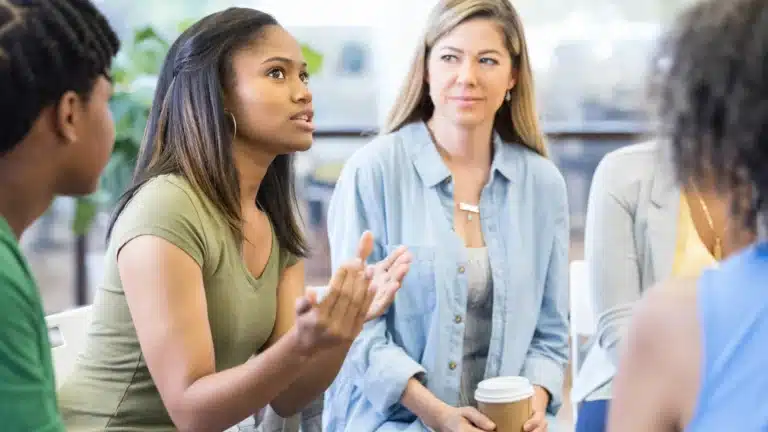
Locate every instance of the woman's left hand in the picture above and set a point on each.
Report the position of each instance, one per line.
(537, 422)
(386, 276)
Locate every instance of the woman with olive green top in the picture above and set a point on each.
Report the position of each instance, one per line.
(112, 386)
(203, 320)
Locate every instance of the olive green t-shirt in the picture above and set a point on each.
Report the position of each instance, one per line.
(27, 385)
(111, 388)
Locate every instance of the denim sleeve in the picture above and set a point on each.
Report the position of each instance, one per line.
(375, 364)
(548, 355)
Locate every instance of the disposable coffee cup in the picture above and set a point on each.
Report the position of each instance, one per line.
(507, 401)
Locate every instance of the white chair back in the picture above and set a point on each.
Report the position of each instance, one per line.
(583, 320)
(68, 332)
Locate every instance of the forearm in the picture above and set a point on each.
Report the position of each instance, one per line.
(421, 402)
(319, 373)
(220, 400)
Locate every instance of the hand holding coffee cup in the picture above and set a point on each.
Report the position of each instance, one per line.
(508, 402)
(464, 419)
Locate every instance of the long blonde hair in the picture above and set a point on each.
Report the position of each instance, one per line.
(516, 121)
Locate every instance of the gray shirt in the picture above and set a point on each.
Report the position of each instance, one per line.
(477, 324)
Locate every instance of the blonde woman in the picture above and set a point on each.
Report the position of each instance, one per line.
(461, 177)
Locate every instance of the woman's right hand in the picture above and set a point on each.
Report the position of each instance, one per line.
(339, 317)
(464, 419)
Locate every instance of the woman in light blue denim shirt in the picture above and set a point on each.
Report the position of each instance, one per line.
(462, 179)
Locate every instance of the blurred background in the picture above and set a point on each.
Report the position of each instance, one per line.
(591, 61)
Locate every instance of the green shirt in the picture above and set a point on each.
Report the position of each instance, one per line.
(111, 388)
(27, 386)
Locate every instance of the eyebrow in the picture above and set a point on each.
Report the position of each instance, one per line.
(284, 60)
(486, 51)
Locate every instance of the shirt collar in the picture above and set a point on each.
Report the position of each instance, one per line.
(430, 166)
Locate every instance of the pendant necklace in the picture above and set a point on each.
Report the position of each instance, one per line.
(470, 209)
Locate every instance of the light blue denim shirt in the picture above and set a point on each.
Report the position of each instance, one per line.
(399, 188)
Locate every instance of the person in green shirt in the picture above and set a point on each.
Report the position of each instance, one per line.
(56, 135)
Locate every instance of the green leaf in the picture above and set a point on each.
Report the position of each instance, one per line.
(313, 58)
(147, 33)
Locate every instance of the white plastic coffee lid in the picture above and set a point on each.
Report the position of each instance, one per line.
(504, 390)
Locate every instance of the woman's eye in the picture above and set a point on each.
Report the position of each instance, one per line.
(448, 57)
(488, 60)
(276, 74)
(305, 78)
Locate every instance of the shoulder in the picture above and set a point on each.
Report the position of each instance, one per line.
(539, 172)
(546, 175)
(16, 283)
(170, 189)
(665, 327)
(624, 170)
(669, 303)
(168, 207)
(385, 155)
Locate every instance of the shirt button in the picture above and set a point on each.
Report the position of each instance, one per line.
(461, 269)
(452, 365)
(457, 319)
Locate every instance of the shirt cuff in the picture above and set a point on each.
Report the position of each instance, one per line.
(387, 377)
(547, 374)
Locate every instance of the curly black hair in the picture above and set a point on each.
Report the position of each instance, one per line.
(712, 98)
(47, 48)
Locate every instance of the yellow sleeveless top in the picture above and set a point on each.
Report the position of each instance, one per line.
(691, 254)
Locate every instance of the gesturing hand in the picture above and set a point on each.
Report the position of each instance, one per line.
(386, 276)
(339, 317)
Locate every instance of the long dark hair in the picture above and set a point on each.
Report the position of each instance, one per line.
(189, 134)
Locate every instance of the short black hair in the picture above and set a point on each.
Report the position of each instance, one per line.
(48, 47)
(712, 100)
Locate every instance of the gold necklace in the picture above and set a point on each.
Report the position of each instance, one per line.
(718, 249)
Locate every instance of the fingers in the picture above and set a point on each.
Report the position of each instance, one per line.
(365, 246)
(343, 309)
(477, 418)
(398, 271)
(359, 287)
(339, 302)
(304, 303)
(537, 423)
(370, 297)
(387, 262)
(334, 291)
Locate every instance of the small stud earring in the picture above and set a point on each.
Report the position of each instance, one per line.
(234, 123)
(508, 96)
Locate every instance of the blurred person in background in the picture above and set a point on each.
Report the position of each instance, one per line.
(202, 319)
(56, 135)
(695, 355)
(642, 228)
(460, 175)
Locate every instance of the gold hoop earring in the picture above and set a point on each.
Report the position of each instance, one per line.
(234, 123)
